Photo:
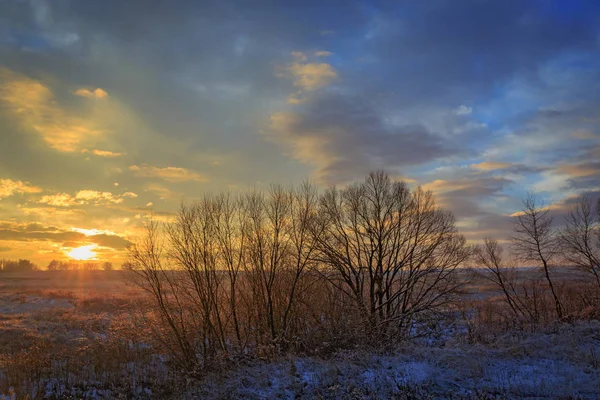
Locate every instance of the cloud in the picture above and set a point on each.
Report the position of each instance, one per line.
(94, 196)
(478, 201)
(323, 53)
(463, 110)
(581, 170)
(344, 137)
(491, 165)
(24, 232)
(48, 213)
(9, 187)
(112, 241)
(171, 174)
(84, 197)
(312, 76)
(58, 200)
(95, 94)
(104, 153)
(35, 107)
(307, 76)
(162, 192)
(468, 186)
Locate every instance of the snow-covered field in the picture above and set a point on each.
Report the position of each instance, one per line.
(76, 344)
(562, 363)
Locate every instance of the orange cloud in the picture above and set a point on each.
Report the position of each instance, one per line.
(36, 108)
(490, 166)
(312, 76)
(84, 197)
(580, 170)
(171, 174)
(97, 94)
(104, 153)
(307, 149)
(308, 76)
(161, 191)
(9, 187)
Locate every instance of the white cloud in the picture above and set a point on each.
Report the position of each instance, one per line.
(463, 110)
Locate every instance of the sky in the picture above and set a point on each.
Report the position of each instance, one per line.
(110, 110)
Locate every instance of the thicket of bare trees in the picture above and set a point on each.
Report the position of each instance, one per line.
(281, 269)
(539, 242)
(296, 269)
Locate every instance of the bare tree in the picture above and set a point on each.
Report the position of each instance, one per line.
(580, 238)
(146, 262)
(278, 250)
(304, 202)
(194, 251)
(392, 250)
(520, 296)
(489, 257)
(536, 240)
(230, 236)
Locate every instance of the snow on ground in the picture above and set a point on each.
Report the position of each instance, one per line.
(21, 304)
(562, 364)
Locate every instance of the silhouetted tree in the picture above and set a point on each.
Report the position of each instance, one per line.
(536, 240)
(580, 238)
(54, 265)
(394, 253)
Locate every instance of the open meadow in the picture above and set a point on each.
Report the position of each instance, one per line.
(87, 334)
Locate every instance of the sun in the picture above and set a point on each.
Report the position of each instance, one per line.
(83, 253)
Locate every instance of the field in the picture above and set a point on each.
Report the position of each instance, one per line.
(88, 335)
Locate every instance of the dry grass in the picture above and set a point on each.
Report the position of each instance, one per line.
(89, 335)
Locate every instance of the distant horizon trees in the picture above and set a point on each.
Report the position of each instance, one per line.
(21, 265)
(74, 265)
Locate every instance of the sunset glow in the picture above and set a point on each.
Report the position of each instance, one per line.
(82, 253)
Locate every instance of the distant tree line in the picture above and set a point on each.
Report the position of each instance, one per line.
(58, 265)
(17, 266)
(54, 265)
